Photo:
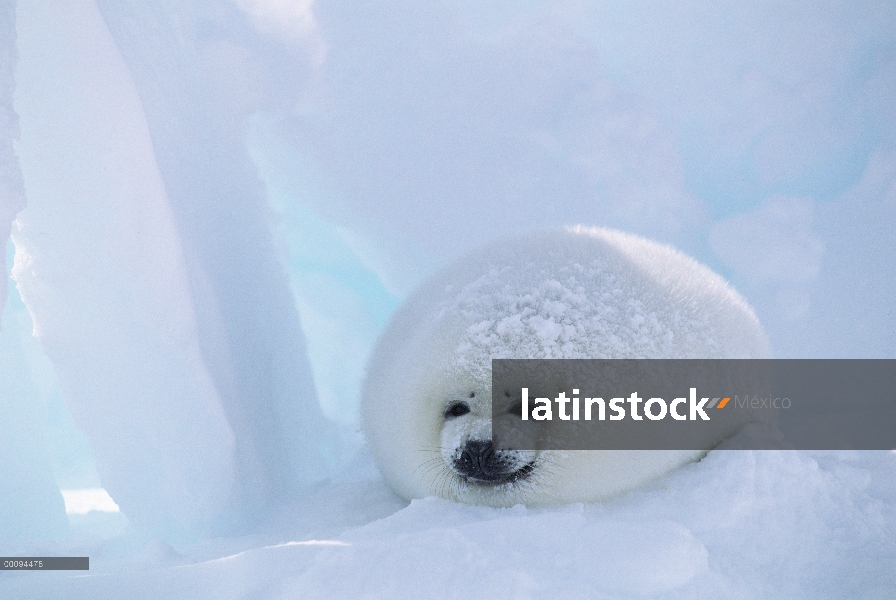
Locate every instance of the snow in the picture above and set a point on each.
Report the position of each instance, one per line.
(739, 524)
(84, 500)
(592, 293)
(216, 205)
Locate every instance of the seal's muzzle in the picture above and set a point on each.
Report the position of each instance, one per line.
(479, 462)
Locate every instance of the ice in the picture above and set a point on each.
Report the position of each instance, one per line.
(445, 126)
(174, 350)
(437, 127)
(211, 182)
(12, 193)
(248, 326)
(31, 506)
(343, 304)
(99, 264)
(797, 260)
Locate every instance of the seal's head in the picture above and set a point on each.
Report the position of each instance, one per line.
(468, 448)
(437, 440)
(574, 293)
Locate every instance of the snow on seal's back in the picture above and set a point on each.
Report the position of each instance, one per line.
(569, 293)
(597, 293)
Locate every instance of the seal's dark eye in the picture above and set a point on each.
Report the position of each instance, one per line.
(456, 410)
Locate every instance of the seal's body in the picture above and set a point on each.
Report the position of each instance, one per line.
(571, 293)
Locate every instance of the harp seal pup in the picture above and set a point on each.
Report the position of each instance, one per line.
(567, 293)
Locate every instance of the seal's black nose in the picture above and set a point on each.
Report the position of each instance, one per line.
(476, 455)
(478, 461)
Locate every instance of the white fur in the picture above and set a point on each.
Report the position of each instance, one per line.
(571, 293)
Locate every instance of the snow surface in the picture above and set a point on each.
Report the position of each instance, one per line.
(227, 199)
(739, 524)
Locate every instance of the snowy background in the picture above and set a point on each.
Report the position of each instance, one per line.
(210, 208)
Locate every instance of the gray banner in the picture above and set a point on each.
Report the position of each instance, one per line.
(44, 563)
(690, 404)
